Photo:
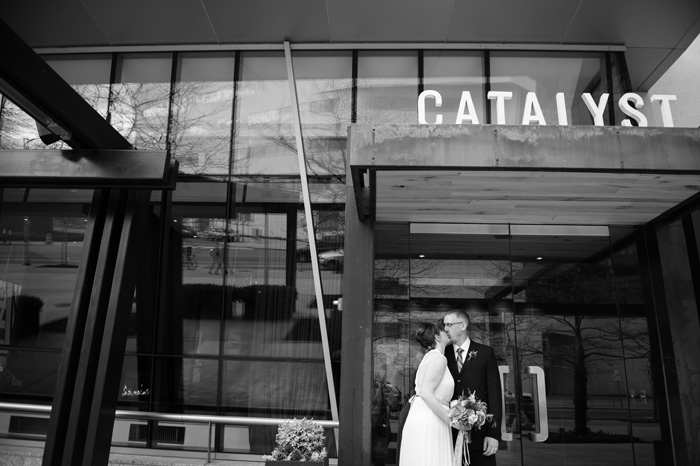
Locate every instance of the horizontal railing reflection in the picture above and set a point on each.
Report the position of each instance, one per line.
(171, 417)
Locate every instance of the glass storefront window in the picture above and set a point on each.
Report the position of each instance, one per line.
(140, 99)
(451, 73)
(264, 128)
(545, 75)
(200, 136)
(41, 244)
(387, 87)
(88, 75)
(324, 90)
(17, 129)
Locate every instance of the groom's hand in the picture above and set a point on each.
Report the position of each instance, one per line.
(490, 446)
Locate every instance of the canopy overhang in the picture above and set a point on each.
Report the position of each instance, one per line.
(572, 175)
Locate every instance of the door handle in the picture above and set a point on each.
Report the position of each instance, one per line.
(541, 401)
(505, 436)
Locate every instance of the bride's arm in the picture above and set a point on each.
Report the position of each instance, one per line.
(434, 373)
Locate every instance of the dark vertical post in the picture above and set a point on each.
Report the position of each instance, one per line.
(110, 356)
(674, 325)
(73, 340)
(355, 440)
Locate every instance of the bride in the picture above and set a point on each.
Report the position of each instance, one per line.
(426, 438)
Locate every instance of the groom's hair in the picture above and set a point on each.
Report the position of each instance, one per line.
(461, 315)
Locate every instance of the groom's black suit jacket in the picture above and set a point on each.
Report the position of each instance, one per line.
(479, 374)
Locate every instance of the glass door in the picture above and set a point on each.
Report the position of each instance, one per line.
(568, 405)
(565, 317)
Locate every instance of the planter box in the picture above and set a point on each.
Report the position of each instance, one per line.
(297, 463)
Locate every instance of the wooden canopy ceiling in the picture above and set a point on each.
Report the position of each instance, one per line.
(616, 177)
(522, 174)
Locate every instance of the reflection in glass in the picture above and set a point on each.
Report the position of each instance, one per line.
(546, 74)
(17, 129)
(184, 384)
(200, 135)
(324, 91)
(451, 73)
(264, 134)
(141, 97)
(87, 74)
(387, 87)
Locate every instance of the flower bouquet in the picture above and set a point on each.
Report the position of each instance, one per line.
(467, 413)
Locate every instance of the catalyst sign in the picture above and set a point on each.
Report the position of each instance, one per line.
(532, 111)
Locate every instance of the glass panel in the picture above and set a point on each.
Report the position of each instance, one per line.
(27, 374)
(17, 129)
(41, 243)
(451, 73)
(141, 99)
(568, 327)
(200, 135)
(621, 85)
(324, 91)
(87, 74)
(635, 384)
(185, 384)
(135, 388)
(387, 87)
(264, 135)
(190, 320)
(275, 388)
(548, 307)
(395, 354)
(545, 74)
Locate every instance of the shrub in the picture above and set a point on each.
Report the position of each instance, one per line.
(299, 440)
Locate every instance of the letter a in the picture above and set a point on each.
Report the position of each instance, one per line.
(466, 101)
(532, 104)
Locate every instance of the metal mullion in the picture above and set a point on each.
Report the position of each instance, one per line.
(353, 95)
(310, 233)
(609, 84)
(487, 86)
(171, 97)
(421, 72)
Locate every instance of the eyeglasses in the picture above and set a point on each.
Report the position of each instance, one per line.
(448, 325)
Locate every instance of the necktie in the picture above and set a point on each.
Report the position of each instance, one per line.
(460, 359)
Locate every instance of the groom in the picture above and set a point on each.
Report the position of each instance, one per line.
(474, 369)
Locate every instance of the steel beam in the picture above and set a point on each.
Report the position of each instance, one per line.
(28, 81)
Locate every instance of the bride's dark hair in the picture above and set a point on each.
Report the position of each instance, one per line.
(425, 333)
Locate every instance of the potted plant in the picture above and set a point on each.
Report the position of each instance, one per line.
(299, 442)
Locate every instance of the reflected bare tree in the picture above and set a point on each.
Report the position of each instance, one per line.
(586, 339)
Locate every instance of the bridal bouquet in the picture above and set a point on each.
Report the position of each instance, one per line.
(467, 413)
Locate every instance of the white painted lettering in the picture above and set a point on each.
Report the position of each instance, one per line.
(665, 100)
(467, 103)
(630, 111)
(500, 97)
(596, 110)
(421, 106)
(532, 105)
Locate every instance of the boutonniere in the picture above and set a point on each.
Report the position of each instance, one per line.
(472, 355)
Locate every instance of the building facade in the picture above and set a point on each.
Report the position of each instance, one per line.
(327, 199)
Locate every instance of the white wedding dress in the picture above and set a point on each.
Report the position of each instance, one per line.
(426, 439)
